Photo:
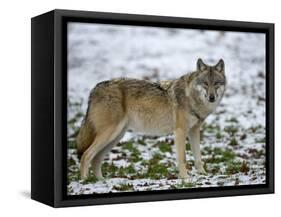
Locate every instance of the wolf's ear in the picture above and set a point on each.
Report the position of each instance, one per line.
(201, 66)
(220, 66)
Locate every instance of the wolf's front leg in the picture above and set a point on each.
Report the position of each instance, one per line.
(180, 136)
(194, 139)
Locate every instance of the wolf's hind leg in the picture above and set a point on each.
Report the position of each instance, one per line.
(102, 140)
(97, 161)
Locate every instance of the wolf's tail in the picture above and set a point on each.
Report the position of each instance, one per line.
(85, 137)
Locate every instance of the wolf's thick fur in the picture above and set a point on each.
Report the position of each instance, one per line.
(178, 106)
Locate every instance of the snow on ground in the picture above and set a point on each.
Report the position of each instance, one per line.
(233, 139)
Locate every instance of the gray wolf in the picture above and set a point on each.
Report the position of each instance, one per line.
(177, 106)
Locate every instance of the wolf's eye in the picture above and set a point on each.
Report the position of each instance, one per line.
(218, 83)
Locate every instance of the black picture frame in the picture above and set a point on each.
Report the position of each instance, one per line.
(49, 107)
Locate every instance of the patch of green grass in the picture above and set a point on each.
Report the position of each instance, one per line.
(71, 144)
(211, 128)
(110, 170)
(227, 154)
(218, 135)
(155, 159)
(70, 163)
(207, 150)
(123, 187)
(215, 169)
(233, 142)
(128, 146)
(135, 155)
(90, 179)
(233, 120)
(73, 175)
(187, 146)
(262, 140)
(220, 155)
(73, 171)
(233, 168)
(126, 171)
(231, 130)
(164, 147)
(155, 169)
(182, 185)
(76, 117)
(141, 142)
(236, 167)
(214, 160)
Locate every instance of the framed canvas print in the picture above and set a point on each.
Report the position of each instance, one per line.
(134, 108)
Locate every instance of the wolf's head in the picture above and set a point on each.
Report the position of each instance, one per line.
(210, 81)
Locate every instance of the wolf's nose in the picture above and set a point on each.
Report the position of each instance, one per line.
(212, 98)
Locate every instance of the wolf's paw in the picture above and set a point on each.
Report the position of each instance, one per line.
(202, 171)
(185, 176)
(84, 173)
(98, 175)
(200, 168)
(100, 178)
